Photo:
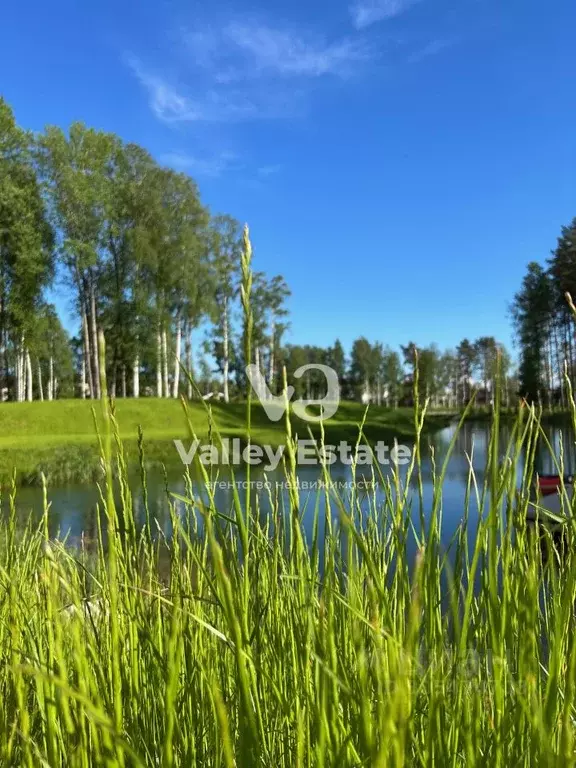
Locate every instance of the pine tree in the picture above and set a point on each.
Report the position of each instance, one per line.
(531, 313)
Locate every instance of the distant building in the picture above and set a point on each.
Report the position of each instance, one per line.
(213, 396)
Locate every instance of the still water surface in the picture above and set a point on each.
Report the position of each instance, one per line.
(73, 508)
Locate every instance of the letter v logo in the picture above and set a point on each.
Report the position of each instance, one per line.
(275, 407)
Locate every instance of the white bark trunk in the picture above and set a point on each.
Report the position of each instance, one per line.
(40, 387)
(225, 351)
(87, 361)
(51, 379)
(83, 379)
(159, 364)
(176, 383)
(136, 378)
(124, 393)
(20, 385)
(189, 362)
(29, 393)
(17, 376)
(259, 392)
(271, 373)
(166, 388)
(95, 343)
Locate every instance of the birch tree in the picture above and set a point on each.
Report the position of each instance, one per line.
(52, 352)
(226, 248)
(75, 169)
(173, 266)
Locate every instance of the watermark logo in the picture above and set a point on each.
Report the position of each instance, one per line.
(275, 406)
(308, 452)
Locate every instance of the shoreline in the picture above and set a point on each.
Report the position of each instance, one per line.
(59, 438)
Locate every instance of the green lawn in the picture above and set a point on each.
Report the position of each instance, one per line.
(59, 438)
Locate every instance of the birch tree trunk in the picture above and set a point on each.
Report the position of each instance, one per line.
(87, 361)
(225, 350)
(112, 387)
(96, 374)
(29, 393)
(136, 363)
(166, 392)
(176, 382)
(189, 361)
(158, 363)
(271, 371)
(136, 378)
(124, 395)
(51, 379)
(259, 393)
(17, 377)
(40, 387)
(20, 373)
(83, 378)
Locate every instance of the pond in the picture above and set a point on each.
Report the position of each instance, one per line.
(73, 508)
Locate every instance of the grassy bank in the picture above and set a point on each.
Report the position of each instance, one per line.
(255, 647)
(59, 438)
(552, 417)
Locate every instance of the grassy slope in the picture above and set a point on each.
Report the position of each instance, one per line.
(59, 438)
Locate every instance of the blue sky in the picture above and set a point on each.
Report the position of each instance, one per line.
(398, 161)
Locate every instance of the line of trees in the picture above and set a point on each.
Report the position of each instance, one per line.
(545, 326)
(378, 374)
(147, 263)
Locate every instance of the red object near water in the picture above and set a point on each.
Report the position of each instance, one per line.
(548, 484)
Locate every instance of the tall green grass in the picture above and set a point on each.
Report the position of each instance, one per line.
(237, 642)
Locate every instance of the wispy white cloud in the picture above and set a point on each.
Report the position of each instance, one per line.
(244, 70)
(431, 49)
(220, 164)
(367, 12)
(212, 166)
(287, 53)
(166, 101)
(171, 104)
